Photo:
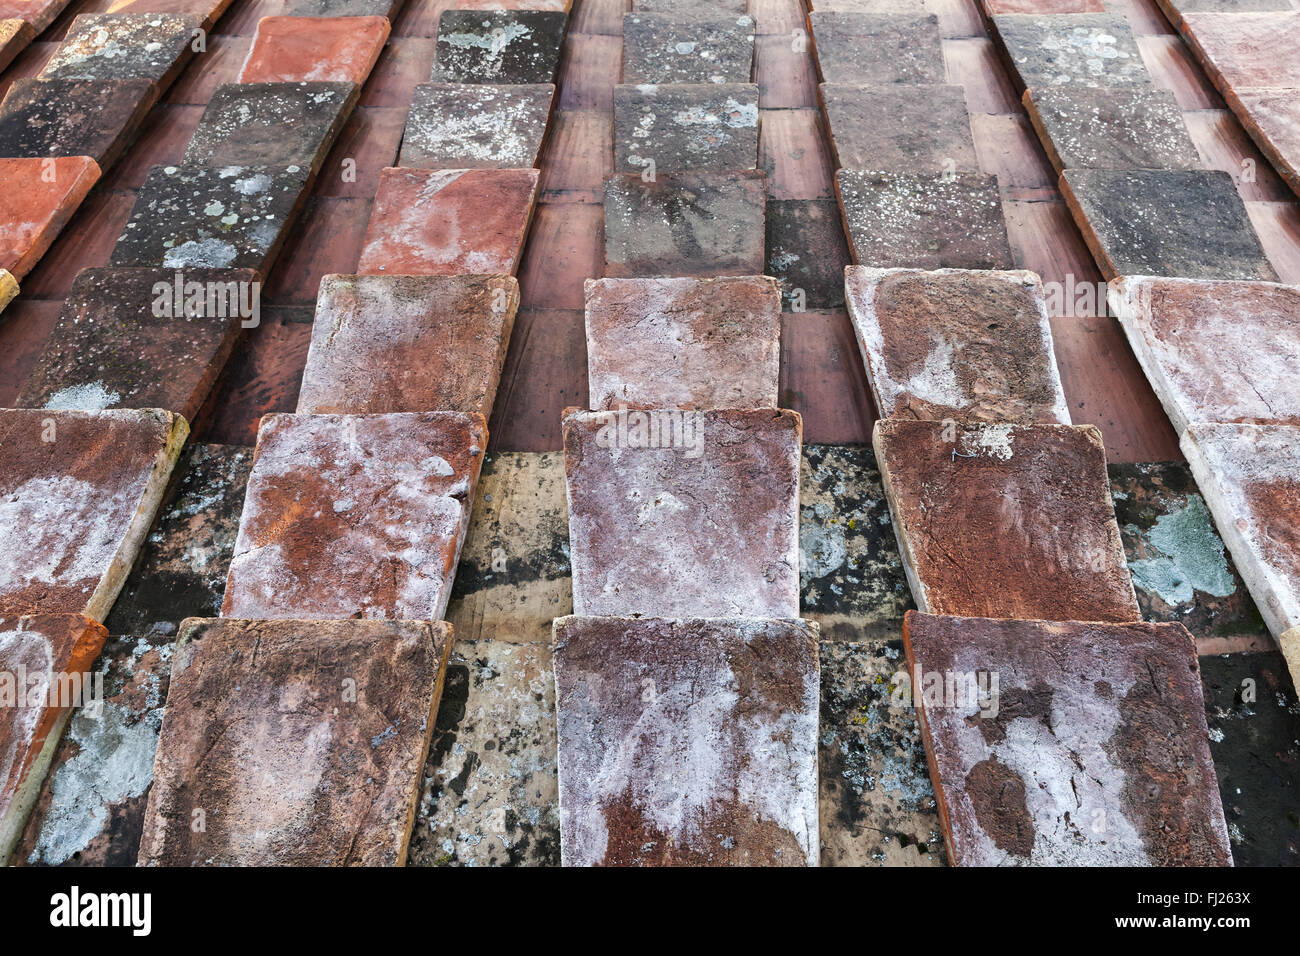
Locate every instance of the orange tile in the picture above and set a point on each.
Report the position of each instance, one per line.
(38, 199)
(298, 49)
(87, 242)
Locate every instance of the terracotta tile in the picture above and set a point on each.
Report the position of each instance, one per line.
(795, 155)
(127, 46)
(876, 49)
(1176, 10)
(975, 64)
(39, 198)
(995, 8)
(683, 343)
(1002, 520)
(211, 216)
(1120, 128)
(87, 242)
(231, 735)
(685, 773)
(55, 653)
(27, 324)
(1245, 50)
(408, 344)
(80, 490)
(578, 157)
(565, 248)
(94, 118)
(1204, 232)
(366, 146)
(449, 222)
(27, 64)
(898, 128)
(162, 139)
(1008, 148)
(807, 253)
(702, 224)
(419, 18)
(1144, 16)
(779, 17)
(974, 346)
(218, 64)
(15, 36)
(923, 221)
(663, 49)
(545, 373)
(1072, 760)
(672, 128)
(327, 239)
(1045, 240)
(261, 377)
(822, 377)
(476, 126)
(390, 493)
(1094, 50)
(959, 19)
(591, 67)
(606, 16)
(404, 63)
(713, 484)
(271, 124)
(241, 19)
(1224, 144)
(1173, 68)
(785, 72)
(1278, 227)
(498, 46)
(38, 13)
(314, 49)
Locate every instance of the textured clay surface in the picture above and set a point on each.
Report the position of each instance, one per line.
(877, 48)
(687, 743)
(299, 743)
(125, 46)
(899, 128)
(1272, 119)
(665, 48)
(499, 46)
(1120, 128)
(688, 9)
(999, 520)
(15, 36)
(685, 126)
(683, 343)
(1247, 49)
(95, 118)
(954, 344)
(476, 126)
(38, 199)
(408, 343)
(807, 252)
(1090, 750)
(1076, 49)
(39, 14)
(684, 514)
(310, 49)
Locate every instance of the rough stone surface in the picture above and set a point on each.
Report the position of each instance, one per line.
(690, 9)
(1093, 750)
(490, 795)
(877, 48)
(896, 128)
(1076, 49)
(684, 514)
(271, 124)
(119, 343)
(1272, 119)
(924, 221)
(39, 14)
(1215, 351)
(38, 199)
(954, 344)
(355, 516)
(125, 46)
(300, 742)
(1147, 222)
(314, 49)
(683, 343)
(1247, 49)
(408, 344)
(685, 126)
(807, 253)
(78, 491)
(666, 742)
(499, 46)
(476, 126)
(1120, 128)
(664, 48)
(999, 520)
(53, 655)
(449, 221)
(95, 118)
(342, 8)
(223, 217)
(685, 224)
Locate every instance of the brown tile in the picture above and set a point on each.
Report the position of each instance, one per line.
(297, 743)
(1144, 16)
(1176, 9)
(958, 18)
(807, 253)
(975, 65)
(899, 128)
(1119, 128)
(476, 126)
(683, 126)
(314, 49)
(326, 240)
(262, 377)
(690, 9)
(404, 64)
(601, 16)
(419, 19)
(366, 147)
(661, 48)
(1246, 50)
(1272, 120)
(1007, 147)
(161, 142)
(38, 199)
(1173, 68)
(27, 64)
(778, 17)
(785, 72)
(1278, 227)
(26, 327)
(545, 373)
(578, 157)
(677, 774)
(128, 46)
(15, 36)
(1041, 7)
(795, 154)
(94, 118)
(1093, 50)
(38, 13)
(999, 520)
(876, 49)
(822, 378)
(1045, 240)
(208, 11)
(498, 46)
(1223, 144)
(1073, 759)
(592, 65)
(565, 248)
(219, 63)
(243, 16)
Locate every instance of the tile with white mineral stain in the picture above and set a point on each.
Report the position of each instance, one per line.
(476, 126)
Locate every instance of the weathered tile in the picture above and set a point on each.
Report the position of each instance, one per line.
(15, 35)
(499, 46)
(476, 126)
(561, 6)
(1245, 50)
(8, 288)
(684, 126)
(406, 343)
(1000, 520)
(995, 8)
(1272, 118)
(314, 49)
(141, 338)
(924, 221)
(1073, 49)
(221, 217)
(449, 221)
(271, 124)
(691, 9)
(78, 492)
(208, 11)
(53, 654)
(341, 8)
(807, 253)
(683, 343)
(39, 14)
(1151, 222)
(877, 48)
(1119, 128)
(1215, 351)
(95, 118)
(296, 742)
(664, 48)
(1091, 748)
(899, 128)
(703, 224)
(684, 514)
(956, 344)
(125, 46)
(39, 197)
(682, 770)
(489, 795)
